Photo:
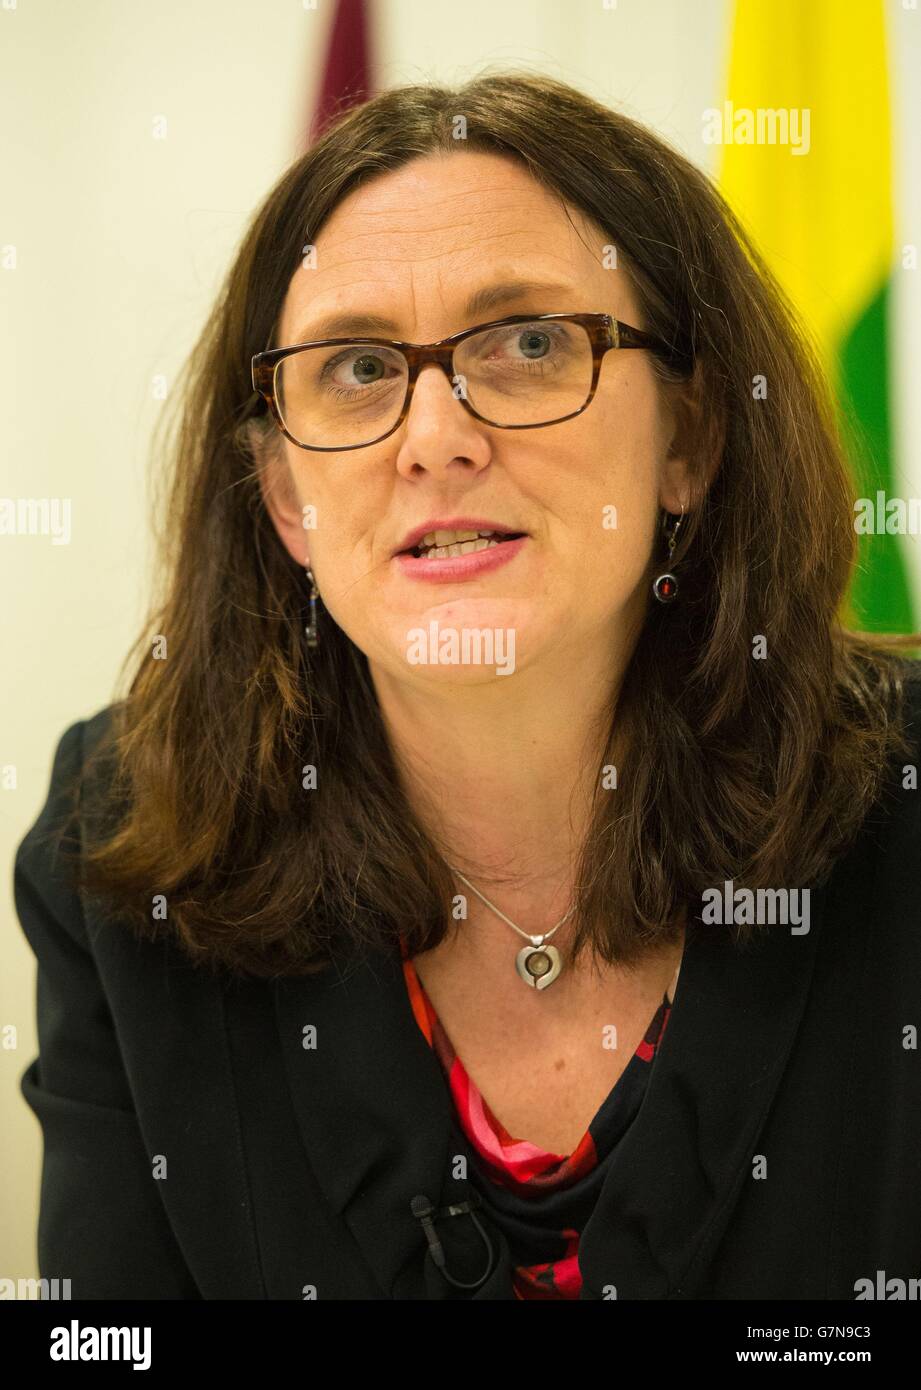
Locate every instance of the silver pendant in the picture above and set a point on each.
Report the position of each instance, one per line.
(538, 965)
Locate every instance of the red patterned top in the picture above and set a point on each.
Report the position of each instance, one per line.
(541, 1200)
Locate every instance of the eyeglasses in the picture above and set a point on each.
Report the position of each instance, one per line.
(517, 373)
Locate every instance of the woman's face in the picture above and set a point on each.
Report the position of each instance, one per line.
(412, 247)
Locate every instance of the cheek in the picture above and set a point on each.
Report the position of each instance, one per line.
(315, 497)
(611, 481)
(627, 424)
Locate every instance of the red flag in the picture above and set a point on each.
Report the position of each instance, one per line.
(346, 77)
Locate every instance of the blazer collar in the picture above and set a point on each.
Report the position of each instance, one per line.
(667, 1197)
(374, 1112)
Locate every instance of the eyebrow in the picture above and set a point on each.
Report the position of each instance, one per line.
(490, 297)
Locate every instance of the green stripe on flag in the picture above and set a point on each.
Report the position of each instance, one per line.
(880, 597)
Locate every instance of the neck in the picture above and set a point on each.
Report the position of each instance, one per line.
(502, 773)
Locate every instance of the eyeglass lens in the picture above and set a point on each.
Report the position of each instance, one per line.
(352, 394)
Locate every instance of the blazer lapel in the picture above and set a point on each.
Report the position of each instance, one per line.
(181, 1075)
(668, 1195)
(374, 1113)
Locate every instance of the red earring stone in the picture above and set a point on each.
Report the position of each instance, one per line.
(665, 588)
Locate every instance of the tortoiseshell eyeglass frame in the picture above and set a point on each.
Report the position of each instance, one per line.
(605, 333)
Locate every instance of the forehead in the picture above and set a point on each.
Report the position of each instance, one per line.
(414, 246)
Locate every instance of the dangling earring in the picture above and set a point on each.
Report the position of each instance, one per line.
(310, 631)
(665, 587)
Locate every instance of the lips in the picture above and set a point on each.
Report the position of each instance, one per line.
(463, 523)
(445, 567)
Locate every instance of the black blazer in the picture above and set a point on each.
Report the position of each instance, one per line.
(291, 1172)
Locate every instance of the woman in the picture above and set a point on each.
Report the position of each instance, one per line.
(497, 689)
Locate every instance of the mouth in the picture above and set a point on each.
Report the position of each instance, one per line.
(450, 557)
(449, 544)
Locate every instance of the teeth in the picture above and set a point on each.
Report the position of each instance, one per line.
(451, 537)
(444, 552)
(440, 545)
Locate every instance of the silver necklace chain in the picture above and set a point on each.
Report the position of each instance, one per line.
(528, 936)
(537, 963)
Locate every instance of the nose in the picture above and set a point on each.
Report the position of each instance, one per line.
(435, 384)
(439, 430)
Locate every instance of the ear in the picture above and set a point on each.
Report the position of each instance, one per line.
(278, 491)
(694, 454)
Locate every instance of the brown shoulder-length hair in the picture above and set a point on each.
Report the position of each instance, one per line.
(731, 764)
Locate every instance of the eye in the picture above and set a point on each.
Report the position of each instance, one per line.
(544, 345)
(534, 342)
(361, 368)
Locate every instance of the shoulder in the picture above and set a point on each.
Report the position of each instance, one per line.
(913, 698)
(878, 879)
(81, 748)
(901, 796)
(49, 851)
